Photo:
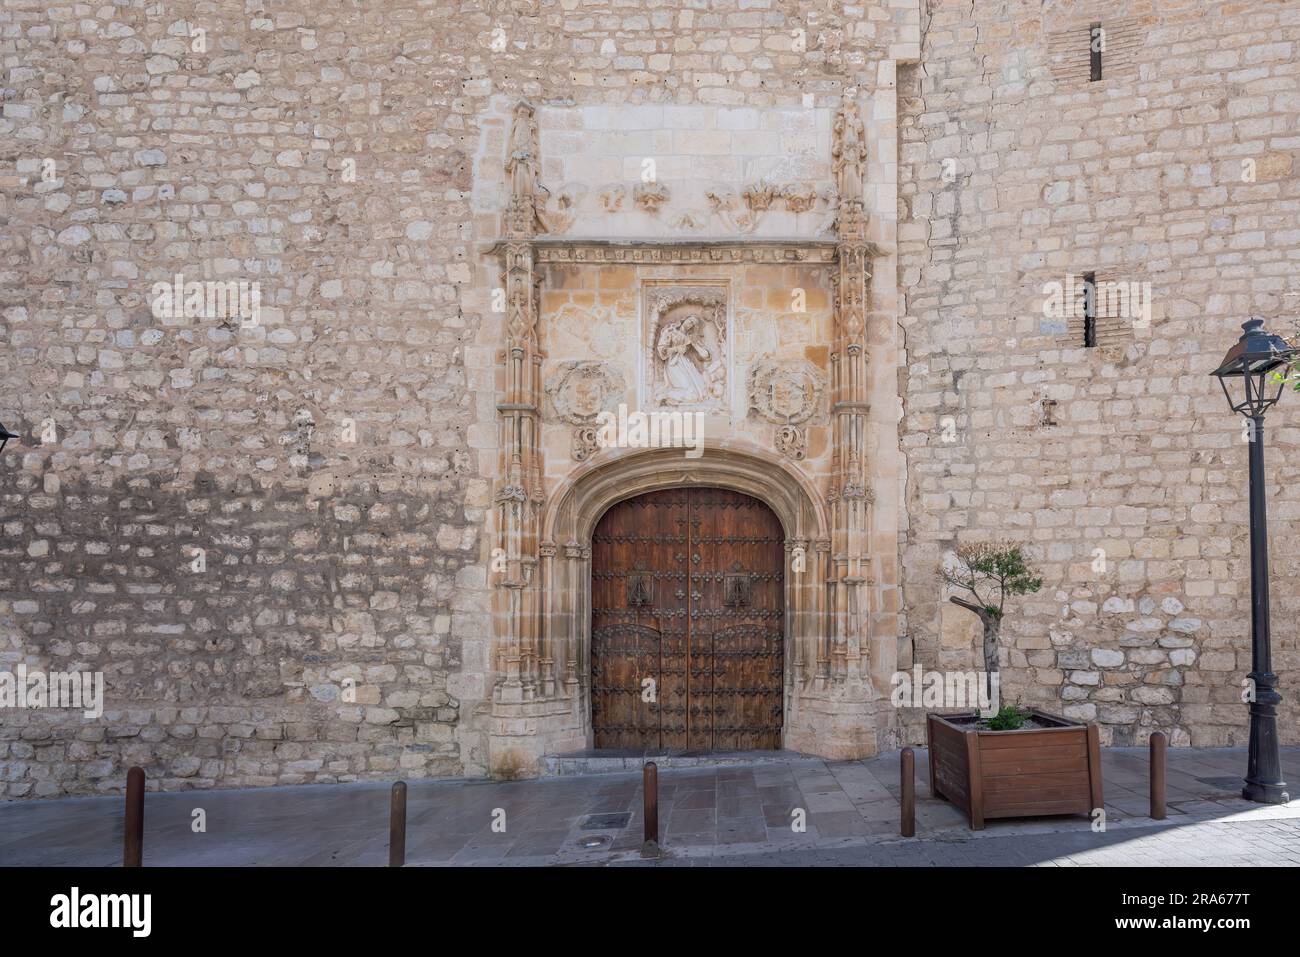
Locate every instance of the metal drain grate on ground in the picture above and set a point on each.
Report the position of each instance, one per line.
(606, 822)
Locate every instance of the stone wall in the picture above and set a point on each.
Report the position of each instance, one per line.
(1175, 169)
(269, 532)
(323, 457)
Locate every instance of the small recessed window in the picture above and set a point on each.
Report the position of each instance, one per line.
(1096, 47)
(1090, 310)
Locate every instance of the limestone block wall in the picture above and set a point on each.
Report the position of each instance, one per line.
(329, 458)
(1177, 170)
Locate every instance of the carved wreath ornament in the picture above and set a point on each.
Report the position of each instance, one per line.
(787, 394)
(579, 391)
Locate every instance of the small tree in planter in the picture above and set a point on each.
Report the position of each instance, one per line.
(990, 572)
(1018, 762)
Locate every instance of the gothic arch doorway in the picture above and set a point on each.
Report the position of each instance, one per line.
(687, 622)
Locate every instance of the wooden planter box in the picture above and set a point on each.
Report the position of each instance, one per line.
(1052, 770)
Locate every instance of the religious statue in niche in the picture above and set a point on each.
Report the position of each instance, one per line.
(528, 198)
(849, 152)
(687, 346)
(522, 162)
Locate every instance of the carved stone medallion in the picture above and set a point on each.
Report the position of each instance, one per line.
(580, 389)
(786, 393)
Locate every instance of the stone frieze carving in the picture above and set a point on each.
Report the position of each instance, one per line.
(739, 211)
(596, 252)
(611, 197)
(691, 222)
(557, 211)
(760, 195)
(724, 204)
(799, 197)
(650, 197)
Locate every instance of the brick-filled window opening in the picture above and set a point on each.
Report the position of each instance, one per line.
(1096, 46)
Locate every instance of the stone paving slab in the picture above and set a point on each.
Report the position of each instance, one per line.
(723, 814)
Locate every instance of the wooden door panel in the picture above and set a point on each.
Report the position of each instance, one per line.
(741, 543)
(688, 591)
(634, 551)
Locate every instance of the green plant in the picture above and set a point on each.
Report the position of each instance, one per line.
(990, 572)
(1009, 718)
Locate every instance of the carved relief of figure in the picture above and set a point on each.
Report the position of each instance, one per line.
(723, 202)
(849, 151)
(557, 213)
(685, 349)
(685, 358)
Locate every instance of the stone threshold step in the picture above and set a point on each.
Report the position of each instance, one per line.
(610, 760)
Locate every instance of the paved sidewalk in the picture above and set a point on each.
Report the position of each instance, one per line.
(730, 814)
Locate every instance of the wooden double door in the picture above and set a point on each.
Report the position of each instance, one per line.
(688, 602)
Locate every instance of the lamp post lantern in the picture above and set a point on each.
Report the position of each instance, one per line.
(5, 436)
(1253, 375)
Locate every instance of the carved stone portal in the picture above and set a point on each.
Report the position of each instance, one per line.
(686, 342)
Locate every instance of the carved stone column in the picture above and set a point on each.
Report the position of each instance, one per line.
(520, 496)
(578, 560)
(850, 495)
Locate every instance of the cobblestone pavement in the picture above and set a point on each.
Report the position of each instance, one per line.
(711, 815)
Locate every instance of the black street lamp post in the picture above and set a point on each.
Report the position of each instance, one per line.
(5, 436)
(1253, 375)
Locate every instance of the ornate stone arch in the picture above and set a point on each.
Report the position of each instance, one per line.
(613, 475)
(617, 474)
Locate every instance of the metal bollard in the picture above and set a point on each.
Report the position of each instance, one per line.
(133, 832)
(650, 782)
(907, 775)
(1159, 744)
(397, 826)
